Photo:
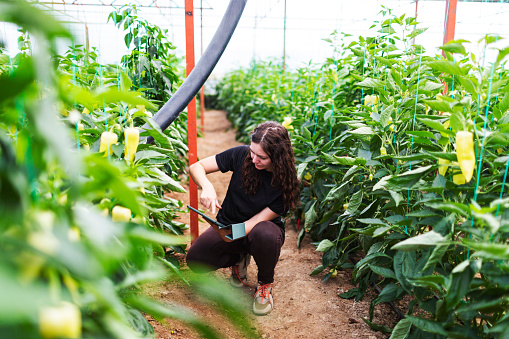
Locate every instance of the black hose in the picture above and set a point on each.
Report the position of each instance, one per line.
(173, 107)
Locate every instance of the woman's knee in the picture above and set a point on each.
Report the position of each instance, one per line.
(197, 262)
(267, 231)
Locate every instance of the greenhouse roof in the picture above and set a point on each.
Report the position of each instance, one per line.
(109, 3)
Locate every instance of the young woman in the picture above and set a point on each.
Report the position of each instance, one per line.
(263, 187)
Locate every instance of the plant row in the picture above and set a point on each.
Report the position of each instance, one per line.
(85, 216)
(403, 157)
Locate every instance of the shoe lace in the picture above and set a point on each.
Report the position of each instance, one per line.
(264, 291)
(237, 274)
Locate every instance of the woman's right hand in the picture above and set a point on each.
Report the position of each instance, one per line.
(208, 198)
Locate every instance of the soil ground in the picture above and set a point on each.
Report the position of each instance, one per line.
(304, 306)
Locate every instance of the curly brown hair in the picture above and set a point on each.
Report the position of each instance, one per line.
(275, 142)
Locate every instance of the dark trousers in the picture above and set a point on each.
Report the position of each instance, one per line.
(264, 243)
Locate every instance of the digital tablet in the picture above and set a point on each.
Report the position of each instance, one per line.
(215, 222)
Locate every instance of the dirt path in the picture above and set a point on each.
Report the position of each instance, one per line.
(304, 307)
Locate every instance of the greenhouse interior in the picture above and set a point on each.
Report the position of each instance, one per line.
(350, 160)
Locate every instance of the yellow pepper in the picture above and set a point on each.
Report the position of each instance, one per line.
(370, 100)
(308, 176)
(391, 128)
(443, 165)
(287, 123)
(499, 150)
(107, 139)
(458, 179)
(465, 153)
(371, 177)
(383, 151)
(62, 321)
(132, 139)
(121, 214)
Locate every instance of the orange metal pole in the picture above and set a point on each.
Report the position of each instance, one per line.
(191, 118)
(449, 26)
(450, 20)
(202, 91)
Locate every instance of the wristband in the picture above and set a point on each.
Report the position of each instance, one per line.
(238, 231)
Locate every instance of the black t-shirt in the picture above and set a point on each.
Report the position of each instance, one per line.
(238, 206)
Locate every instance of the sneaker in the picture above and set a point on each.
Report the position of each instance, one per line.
(239, 271)
(263, 302)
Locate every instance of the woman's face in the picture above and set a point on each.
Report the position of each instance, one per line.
(260, 159)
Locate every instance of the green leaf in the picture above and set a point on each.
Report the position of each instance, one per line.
(174, 268)
(325, 245)
(436, 256)
(337, 192)
(384, 272)
(401, 330)
(362, 131)
(427, 239)
(436, 126)
(114, 95)
(386, 114)
(468, 85)
(439, 106)
(317, 270)
(454, 47)
(425, 134)
(427, 325)
(458, 122)
(430, 86)
(354, 203)
(351, 171)
(417, 32)
(174, 185)
(446, 67)
(492, 251)
(344, 161)
(371, 83)
(371, 221)
(397, 197)
(349, 294)
(502, 54)
(436, 282)
(33, 19)
(377, 327)
(459, 285)
(404, 266)
(140, 277)
(301, 168)
(156, 237)
(310, 217)
(306, 133)
(452, 207)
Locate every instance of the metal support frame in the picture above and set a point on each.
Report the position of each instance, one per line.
(449, 27)
(191, 117)
(202, 90)
(450, 20)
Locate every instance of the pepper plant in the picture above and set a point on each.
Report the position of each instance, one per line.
(396, 168)
(84, 224)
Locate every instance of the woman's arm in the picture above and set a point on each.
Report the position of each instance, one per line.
(264, 215)
(199, 171)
